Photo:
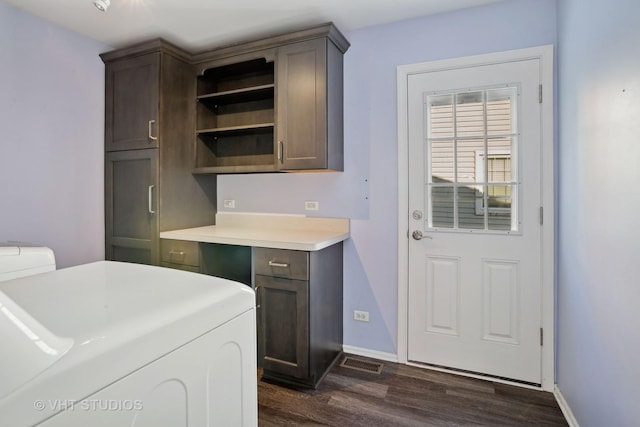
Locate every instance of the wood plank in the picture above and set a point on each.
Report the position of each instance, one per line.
(404, 395)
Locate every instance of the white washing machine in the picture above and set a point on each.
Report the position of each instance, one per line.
(115, 344)
(20, 259)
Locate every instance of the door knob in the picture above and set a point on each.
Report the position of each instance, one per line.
(417, 235)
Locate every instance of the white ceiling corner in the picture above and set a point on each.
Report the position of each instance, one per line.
(198, 25)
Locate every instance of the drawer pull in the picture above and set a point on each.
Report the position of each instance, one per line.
(176, 256)
(278, 264)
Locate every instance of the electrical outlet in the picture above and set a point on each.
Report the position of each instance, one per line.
(362, 316)
(311, 205)
(229, 204)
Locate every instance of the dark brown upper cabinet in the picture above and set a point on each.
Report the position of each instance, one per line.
(273, 104)
(131, 103)
(309, 106)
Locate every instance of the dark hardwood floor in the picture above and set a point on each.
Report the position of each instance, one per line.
(405, 396)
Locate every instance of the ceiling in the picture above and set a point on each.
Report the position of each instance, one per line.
(198, 25)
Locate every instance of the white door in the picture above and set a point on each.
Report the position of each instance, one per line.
(474, 196)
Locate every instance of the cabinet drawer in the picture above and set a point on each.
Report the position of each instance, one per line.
(282, 263)
(179, 252)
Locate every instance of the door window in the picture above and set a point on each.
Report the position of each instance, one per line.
(472, 174)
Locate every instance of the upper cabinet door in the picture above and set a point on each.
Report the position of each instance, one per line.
(131, 103)
(301, 106)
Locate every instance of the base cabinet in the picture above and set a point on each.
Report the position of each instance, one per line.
(299, 312)
(283, 322)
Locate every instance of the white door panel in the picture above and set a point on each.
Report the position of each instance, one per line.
(474, 171)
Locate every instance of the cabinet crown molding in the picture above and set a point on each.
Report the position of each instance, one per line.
(146, 47)
(327, 30)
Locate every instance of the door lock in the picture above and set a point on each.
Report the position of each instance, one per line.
(417, 215)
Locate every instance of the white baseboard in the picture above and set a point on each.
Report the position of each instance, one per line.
(374, 354)
(564, 406)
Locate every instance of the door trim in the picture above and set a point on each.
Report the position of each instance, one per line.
(545, 55)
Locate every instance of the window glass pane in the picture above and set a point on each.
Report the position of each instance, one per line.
(499, 199)
(440, 116)
(501, 222)
(441, 161)
(500, 111)
(500, 147)
(498, 169)
(469, 114)
(499, 196)
(468, 215)
(466, 159)
(441, 212)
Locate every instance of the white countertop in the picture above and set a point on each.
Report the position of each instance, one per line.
(296, 232)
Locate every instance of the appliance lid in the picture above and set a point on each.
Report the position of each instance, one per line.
(16, 256)
(28, 348)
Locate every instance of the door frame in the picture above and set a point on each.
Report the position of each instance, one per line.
(545, 55)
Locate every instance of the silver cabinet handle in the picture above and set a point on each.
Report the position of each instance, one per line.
(151, 137)
(257, 299)
(280, 151)
(278, 264)
(151, 211)
(181, 253)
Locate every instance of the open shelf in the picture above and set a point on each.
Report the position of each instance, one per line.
(235, 130)
(254, 93)
(235, 118)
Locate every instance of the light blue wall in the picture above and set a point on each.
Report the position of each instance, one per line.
(598, 287)
(371, 265)
(51, 138)
(51, 170)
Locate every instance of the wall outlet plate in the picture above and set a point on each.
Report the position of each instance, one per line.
(311, 205)
(229, 204)
(362, 316)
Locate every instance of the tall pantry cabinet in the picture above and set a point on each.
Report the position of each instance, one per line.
(149, 122)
